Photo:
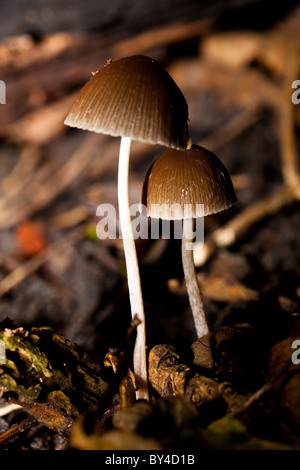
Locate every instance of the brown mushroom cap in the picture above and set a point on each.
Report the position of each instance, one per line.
(133, 97)
(178, 177)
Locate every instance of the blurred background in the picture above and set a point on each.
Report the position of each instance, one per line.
(235, 62)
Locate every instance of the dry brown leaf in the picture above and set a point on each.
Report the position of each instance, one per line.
(226, 288)
(288, 384)
(111, 440)
(232, 49)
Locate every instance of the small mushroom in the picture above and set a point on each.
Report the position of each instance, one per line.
(187, 184)
(136, 99)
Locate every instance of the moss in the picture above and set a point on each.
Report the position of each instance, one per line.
(15, 341)
(51, 377)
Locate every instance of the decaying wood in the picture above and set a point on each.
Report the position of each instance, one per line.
(49, 376)
(169, 376)
(123, 384)
(17, 429)
(174, 413)
(127, 383)
(111, 440)
(231, 353)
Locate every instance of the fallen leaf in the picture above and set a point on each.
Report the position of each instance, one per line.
(226, 288)
(288, 383)
(111, 440)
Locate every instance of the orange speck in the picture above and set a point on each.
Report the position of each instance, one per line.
(30, 238)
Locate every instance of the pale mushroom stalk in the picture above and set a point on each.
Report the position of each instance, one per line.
(133, 275)
(190, 275)
(136, 99)
(195, 180)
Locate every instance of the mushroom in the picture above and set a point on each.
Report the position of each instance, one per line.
(136, 99)
(187, 184)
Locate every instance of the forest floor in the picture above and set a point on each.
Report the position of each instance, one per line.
(64, 291)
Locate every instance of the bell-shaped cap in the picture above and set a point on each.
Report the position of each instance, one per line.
(133, 97)
(187, 184)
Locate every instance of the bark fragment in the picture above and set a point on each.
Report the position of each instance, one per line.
(48, 376)
(169, 376)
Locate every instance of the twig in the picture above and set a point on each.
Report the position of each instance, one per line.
(287, 193)
(17, 429)
(42, 125)
(29, 267)
(232, 128)
(69, 218)
(8, 408)
(238, 226)
(255, 397)
(20, 175)
(39, 195)
(162, 36)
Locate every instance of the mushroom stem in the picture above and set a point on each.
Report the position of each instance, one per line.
(133, 275)
(191, 280)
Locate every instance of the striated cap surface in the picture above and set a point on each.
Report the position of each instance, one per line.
(133, 97)
(180, 181)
